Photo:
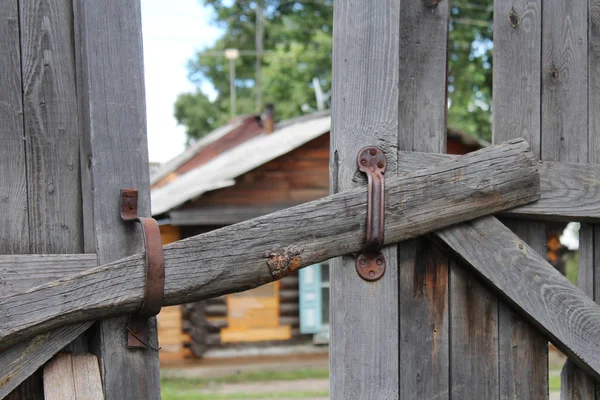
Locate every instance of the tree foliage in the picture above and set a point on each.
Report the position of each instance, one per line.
(298, 45)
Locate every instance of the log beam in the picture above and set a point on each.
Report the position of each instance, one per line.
(243, 256)
(569, 192)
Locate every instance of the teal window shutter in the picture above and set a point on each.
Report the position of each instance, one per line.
(311, 320)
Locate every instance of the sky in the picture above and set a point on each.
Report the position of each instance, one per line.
(173, 31)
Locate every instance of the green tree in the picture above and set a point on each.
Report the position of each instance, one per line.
(299, 47)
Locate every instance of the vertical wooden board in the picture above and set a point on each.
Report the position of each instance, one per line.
(522, 353)
(59, 379)
(565, 124)
(364, 315)
(473, 337)
(86, 377)
(575, 383)
(114, 156)
(564, 82)
(51, 126)
(423, 285)
(14, 235)
(517, 63)
(424, 344)
(51, 142)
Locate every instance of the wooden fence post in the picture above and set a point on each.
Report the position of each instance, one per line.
(522, 352)
(114, 156)
(364, 317)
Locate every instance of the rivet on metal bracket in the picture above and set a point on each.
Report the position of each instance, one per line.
(137, 326)
(370, 263)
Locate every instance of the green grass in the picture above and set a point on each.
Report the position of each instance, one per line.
(554, 383)
(168, 393)
(200, 388)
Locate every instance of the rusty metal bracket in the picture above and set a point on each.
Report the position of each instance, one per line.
(137, 326)
(370, 263)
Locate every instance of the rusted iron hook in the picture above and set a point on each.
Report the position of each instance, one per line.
(137, 327)
(370, 263)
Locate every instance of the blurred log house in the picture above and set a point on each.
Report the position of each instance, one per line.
(248, 168)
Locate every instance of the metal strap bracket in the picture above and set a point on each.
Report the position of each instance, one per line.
(137, 326)
(370, 263)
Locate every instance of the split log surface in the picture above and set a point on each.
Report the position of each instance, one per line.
(250, 254)
(569, 192)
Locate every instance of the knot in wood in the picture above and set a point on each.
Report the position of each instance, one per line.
(513, 17)
(283, 262)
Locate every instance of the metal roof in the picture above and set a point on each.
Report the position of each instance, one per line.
(222, 170)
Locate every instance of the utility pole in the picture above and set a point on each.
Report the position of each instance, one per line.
(232, 55)
(260, 36)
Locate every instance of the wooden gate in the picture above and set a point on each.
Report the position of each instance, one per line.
(465, 312)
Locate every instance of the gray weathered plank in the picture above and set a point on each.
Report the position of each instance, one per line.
(73, 377)
(51, 126)
(474, 337)
(569, 192)
(220, 215)
(23, 359)
(51, 139)
(561, 311)
(522, 352)
(423, 282)
(579, 47)
(20, 272)
(114, 156)
(477, 184)
(575, 383)
(364, 112)
(13, 186)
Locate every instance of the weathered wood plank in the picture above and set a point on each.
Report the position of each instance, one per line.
(562, 312)
(51, 126)
(13, 186)
(477, 184)
(114, 156)
(51, 137)
(20, 272)
(221, 215)
(569, 192)
(474, 337)
(565, 95)
(576, 384)
(23, 359)
(522, 352)
(364, 112)
(73, 377)
(423, 283)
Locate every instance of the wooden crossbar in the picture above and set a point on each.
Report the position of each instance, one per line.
(569, 192)
(244, 256)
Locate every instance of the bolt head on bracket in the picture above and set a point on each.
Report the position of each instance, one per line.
(370, 267)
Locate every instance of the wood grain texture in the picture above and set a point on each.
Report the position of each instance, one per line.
(562, 312)
(364, 112)
(73, 377)
(423, 282)
(564, 82)
(522, 352)
(51, 141)
(20, 272)
(13, 183)
(566, 112)
(473, 337)
(477, 184)
(114, 156)
(23, 359)
(569, 192)
(51, 126)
